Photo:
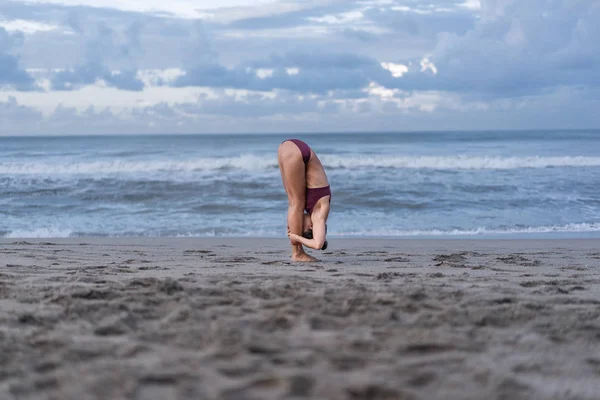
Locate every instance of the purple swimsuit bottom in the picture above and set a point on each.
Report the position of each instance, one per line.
(315, 194)
(304, 149)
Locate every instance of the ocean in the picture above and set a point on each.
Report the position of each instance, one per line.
(426, 185)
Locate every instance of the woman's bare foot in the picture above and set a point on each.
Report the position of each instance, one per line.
(303, 257)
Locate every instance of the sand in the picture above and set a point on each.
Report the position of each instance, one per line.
(235, 320)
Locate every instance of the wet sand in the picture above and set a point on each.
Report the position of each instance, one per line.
(234, 319)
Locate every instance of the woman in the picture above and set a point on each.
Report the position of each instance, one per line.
(307, 187)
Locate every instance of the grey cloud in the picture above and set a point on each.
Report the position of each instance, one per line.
(294, 18)
(428, 24)
(316, 60)
(310, 81)
(133, 43)
(101, 46)
(8, 41)
(135, 40)
(12, 75)
(205, 116)
(430, 19)
(318, 73)
(115, 39)
(517, 48)
(15, 117)
(161, 111)
(565, 109)
(73, 20)
(90, 74)
(399, 36)
(353, 94)
(197, 45)
(359, 34)
(110, 39)
(254, 106)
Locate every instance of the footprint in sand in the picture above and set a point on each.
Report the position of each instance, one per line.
(376, 390)
(151, 268)
(450, 258)
(422, 379)
(236, 260)
(388, 275)
(197, 252)
(279, 263)
(518, 260)
(373, 253)
(427, 348)
(397, 259)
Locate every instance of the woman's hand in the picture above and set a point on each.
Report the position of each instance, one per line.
(293, 237)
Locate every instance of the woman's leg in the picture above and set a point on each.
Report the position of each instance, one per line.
(293, 175)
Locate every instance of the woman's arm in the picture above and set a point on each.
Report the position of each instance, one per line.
(318, 236)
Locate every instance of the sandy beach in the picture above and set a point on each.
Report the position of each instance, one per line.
(234, 319)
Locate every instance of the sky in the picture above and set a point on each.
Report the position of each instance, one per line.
(265, 66)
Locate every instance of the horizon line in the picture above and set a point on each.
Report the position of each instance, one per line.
(390, 132)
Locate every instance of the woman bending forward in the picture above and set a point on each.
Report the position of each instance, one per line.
(309, 197)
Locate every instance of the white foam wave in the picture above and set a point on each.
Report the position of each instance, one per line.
(246, 162)
(261, 163)
(569, 228)
(458, 162)
(51, 232)
(39, 233)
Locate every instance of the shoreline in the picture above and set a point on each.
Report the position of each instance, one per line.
(338, 243)
(552, 236)
(474, 238)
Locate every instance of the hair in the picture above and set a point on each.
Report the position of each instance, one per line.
(309, 235)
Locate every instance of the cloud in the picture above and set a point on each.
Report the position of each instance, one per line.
(12, 75)
(397, 70)
(93, 74)
(207, 114)
(171, 8)
(298, 72)
(305, 81)
(297, 14)
(255, 105)
(224, 111)
(15, 117)
(102, 45)
(517, 48)
(26, 27)
(423, 19)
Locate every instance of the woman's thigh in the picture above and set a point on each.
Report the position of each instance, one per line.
(293, 172)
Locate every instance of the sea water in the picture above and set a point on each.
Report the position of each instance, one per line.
(418, 184)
